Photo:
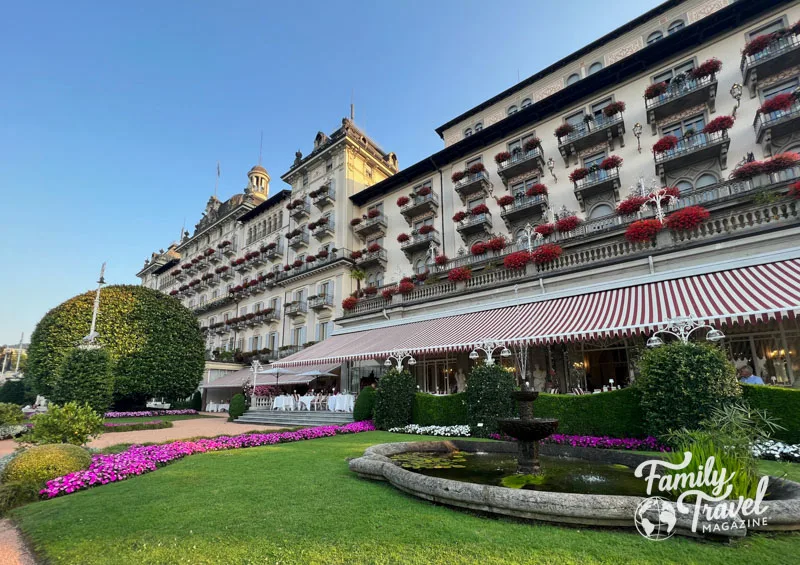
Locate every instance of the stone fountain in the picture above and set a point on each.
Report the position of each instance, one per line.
(528, 431)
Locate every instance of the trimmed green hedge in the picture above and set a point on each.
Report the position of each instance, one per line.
(430, 410)
(364, 408)
(394, 399)
(616, 413)
(783, 404)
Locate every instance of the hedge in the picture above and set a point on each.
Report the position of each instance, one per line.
(430, 410)
(364, 408)
(615, 414)
(783, 404)
(85, 377)
(394, 399)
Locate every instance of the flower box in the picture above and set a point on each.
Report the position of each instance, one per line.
(545, 229)
(564, 130)
(568, 223)
(349, 303)
(687, 218)
(779, 102)
(506, 200)
(405, 287)
(655, 90)
(537, 189)
(479, 209)
(426, 229)
(457, 176)
(631, 205)
(441, 260)
(665, 144)
(502, 157)
(613, 109)
(546, 253)
(459, 216)
(611, 162)
(707, 68)
(516, 260)
(478, 249)
(643, 230)
(403, 237)
(459, 274)
(719, 123)
(578, 174)
(402, 201)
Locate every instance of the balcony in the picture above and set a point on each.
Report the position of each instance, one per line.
(295, 309)
(781, 54)
(228, 251)
(776, 125)
(305, 269)
(597, 182)
(420, 242)
(321, 302)
(477, 223)
(257, 260)
(300, 211)
(525, 208)
(181, 276)
(273, 253)
(242, 267)
(601, 129)
(691, 150)
(298, 241)
(214, 258)
(520, 163)
(268, 316)
(323, 231)
(371, 259)
(324, 196)
(226, 275)
(419, 205)
(369, 226)
(679, 96)
(475, 184)
(214, 281)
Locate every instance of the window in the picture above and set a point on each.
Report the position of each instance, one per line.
(525, 103)
(258, 307)
(669, 74)
(467, 132)
(305, 179)
(573, 78)
(677, 25)
(518, 190)
(706, 179)
(325, 289)
(299, 335)
(471, 204)
(777, 25)
(782, 88)
(273, 341)
(653, 37)
(329, 165)
(597, 108)
(512, 110)
(684, 185)
(324, 330)
(419, 266)
(426, 222)
(594, 67)
(595, 159)
(478, 127)
(689, 126)
(368, 171)
(474, 161)
(575, 119)
(517, 144)
(601, 210)
(300, 295)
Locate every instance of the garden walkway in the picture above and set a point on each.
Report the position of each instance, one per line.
(12, 548)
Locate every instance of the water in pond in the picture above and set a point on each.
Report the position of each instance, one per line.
(559, 474)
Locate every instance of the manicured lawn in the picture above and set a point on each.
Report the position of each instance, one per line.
(298, 503)
(163, 418)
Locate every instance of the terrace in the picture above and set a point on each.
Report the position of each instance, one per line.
(419, 205)
(679, 96)
(782, 53)
(691, 150)
(473, 184)
(591, 133)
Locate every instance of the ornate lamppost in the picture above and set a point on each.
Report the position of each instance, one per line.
(397, 358)
(658, 197)
(683, 327)
(736, 94)
(551, 164)
(90, 341)
(531, 234)
(488, 347)
(637, 132)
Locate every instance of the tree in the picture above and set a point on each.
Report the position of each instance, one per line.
(85, 377)
(394, 399)
(358, 275)
(154, 343)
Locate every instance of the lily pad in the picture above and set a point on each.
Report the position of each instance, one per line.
(519, 481)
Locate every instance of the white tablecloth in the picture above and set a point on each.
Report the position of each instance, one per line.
(305, 401)
(217, 407)
(341, 403)
(283, 403)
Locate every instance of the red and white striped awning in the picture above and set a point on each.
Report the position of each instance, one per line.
(736, 296)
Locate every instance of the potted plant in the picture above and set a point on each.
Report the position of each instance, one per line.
(779, 102)
(403, 237)
(666, 143)
(545, 229)
(374, 248)
(476, 168)
(707, 68)
(441, 260)
(631, 205)
(613, 109)
(349, 303)
(459, 275)
(402, 201)
(687, 218)
(537, 189)
(459, 216)
(546, 253)
(457, 176)
(611, 162)
(373, 213)
(720, 123)
(479, 209)
(643, 231)
(478, 248)
(355, 221)
(531, 144)
(578, 174)
(426, 229)
(501, 157)
(564, 130)
(424, 191)
(505, 200)
(655, 90)
(568, 223)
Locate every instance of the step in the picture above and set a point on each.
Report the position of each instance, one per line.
(298, 418)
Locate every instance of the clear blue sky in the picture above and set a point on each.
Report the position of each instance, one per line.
(113, 117)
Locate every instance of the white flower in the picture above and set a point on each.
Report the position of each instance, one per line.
(445, 431)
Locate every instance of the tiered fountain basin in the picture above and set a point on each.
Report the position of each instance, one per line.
(614, 507)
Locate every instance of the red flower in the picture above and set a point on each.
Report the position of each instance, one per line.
(349, 303)
(374, 247)
(373, 213)
(175, 272)
(426, 229)
(322, 253)
(665, 144)
(402, 201)
(613, 108)
(545, 229)
(758, 44)
(406, 279)
(478, 248)
(748, 170)
(611, 162)
(441, 259)
(371, 290)
(476, 168)
(655, 90)
(297, 263)
(173, 292)
(578, 174)
(719, 123)
(457, 176)
(310, 259)
(710, 67)
(479, 209)
(422, 276)
(270, 275)
(312, 226)
(388, 292)
(794, 191)
(287, 267)
(564, 130)
(355, 221)
(405, 287)
(531, 144)
(424, 191)
(630, 205)
(403, 237)
(781, 162)
(546, 253)
(209, 252)
(506, 200)
(356, 254)
(516, 260)
(686, 218)
(459, 274)
(673, 191)
(459, 216)
(496, 244)
(568, 224)
(536, 190)
(502, 156)
(643, 230)
(777, 103)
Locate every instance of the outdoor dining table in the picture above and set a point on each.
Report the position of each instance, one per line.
(218, 407)
(341, 403)
(283, 403)
(306, 401)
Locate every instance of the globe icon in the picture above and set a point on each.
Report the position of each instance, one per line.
(655, 518)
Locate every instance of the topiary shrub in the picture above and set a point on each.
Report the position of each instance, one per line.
(782, 404)
(394, 399)
(154, 343)
(432, 410)
(86, 377)
(71, 423)
(15, 392)
(364, 408)
(197, 401)
(616, 414)
(489, 397)
(13, 495)
(681, 383)
(40, 464)
(10, 414)
(237, 407)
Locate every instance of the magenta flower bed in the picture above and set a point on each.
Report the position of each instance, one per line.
(120, 424)
(138, 459)
(599, 442)
(150, 413)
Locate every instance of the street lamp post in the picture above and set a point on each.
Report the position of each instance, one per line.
(531, 234)
(398, 357)
(89, 342)
(488, 347)
(658, 197)
(683, 327)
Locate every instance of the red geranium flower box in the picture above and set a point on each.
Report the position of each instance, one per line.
(536, 190)
(424, 191)
(642, 230)
(501, 157)
(564, 130)
(781, 162)
(349, 303)
(758, 44)
(568, 224)
(459, 216)
(323, 253)
(426, 229)
(403, 237)
(516, 260)
(545, 229)
(687, 218)
(373, 213)
(578, 174)
(613, 108)
(310, 259)
(506, 200)
(287, 267)
(457, 176)
(794, 190)
(707, 68)
(496, 244)
(374, 248)
(478, 249)
(779, 102)
(402, 201)
(611, 162)
(459, 274)
(665, 144)
(630, 205)
(719, 123)
(546, 253)
(356, 255)
(655, 90)
(479, 209)
(371, 290)
(441, 259)
(355, 221)
(531, 144)
(405, 287)
(476, 168)
(388, 292)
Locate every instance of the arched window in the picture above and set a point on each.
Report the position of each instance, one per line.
(478, 127)
(601, 210)
(653, 37)
(525, 103)
(595, 67)
(467, 132)
(573, 78)
(677, 25)
(684, 185)
(706, 179)
(521, 237)
(419, 266)
(512, 110)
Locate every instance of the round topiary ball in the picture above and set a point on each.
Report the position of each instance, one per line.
(38, 465)
(154, 343)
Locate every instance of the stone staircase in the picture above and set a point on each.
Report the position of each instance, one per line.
(294, 418)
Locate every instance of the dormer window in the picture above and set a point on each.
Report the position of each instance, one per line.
(525, 103)
(677, 25)
(478, 127)
(467, 132)
(512, 110)
(653, 37)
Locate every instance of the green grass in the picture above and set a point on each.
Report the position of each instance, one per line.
(163, 418)
(299, 503)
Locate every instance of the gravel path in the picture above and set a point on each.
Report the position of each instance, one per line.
(12, 548)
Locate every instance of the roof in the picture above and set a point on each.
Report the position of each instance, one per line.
(697, 34)
(270, 202)
(258, 168)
